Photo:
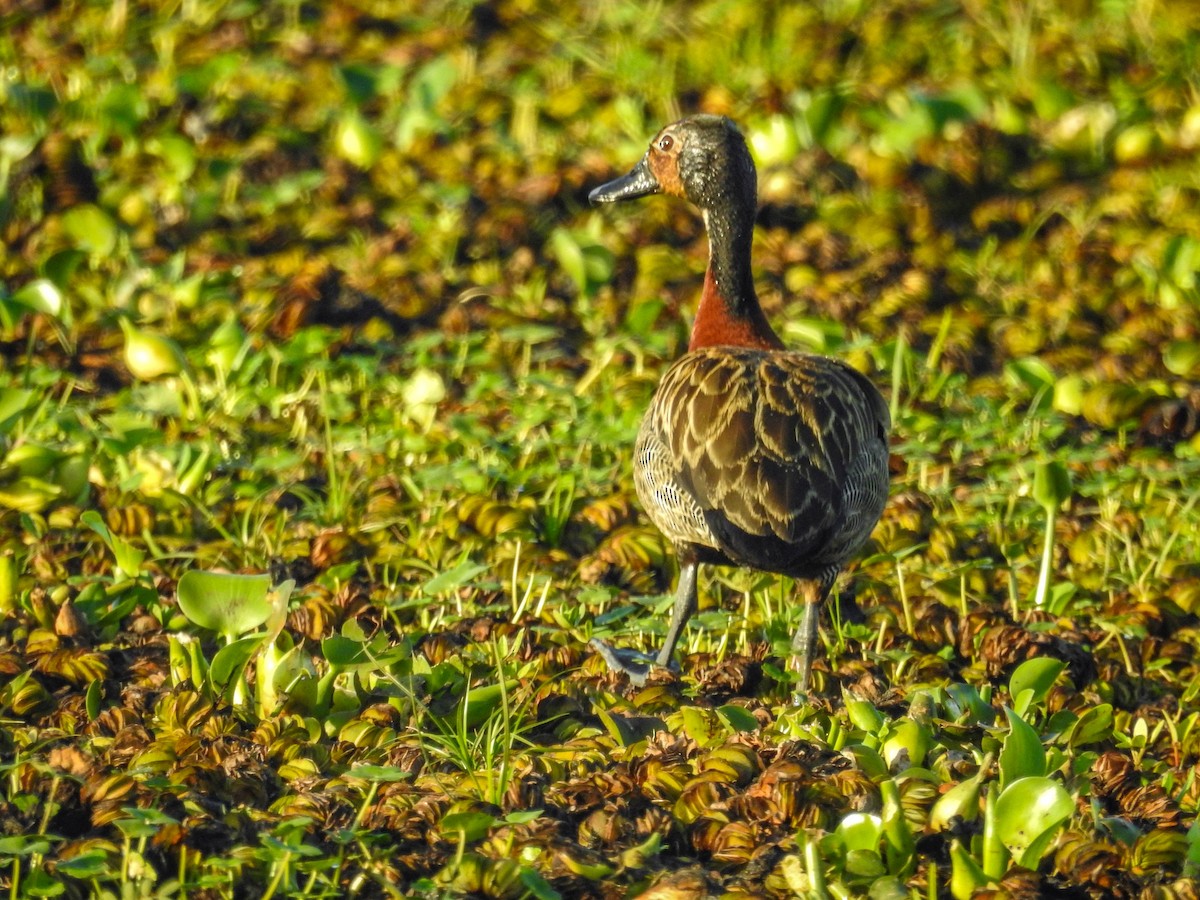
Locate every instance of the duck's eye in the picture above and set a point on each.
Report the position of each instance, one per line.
(666, 143)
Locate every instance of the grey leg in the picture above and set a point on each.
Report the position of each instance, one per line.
(637, 665)
(685, 605)
(805, 639)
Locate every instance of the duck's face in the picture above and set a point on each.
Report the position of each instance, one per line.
(702, 158)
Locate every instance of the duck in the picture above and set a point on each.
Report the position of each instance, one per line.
(749, 454)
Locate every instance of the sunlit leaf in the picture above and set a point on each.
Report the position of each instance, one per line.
(226, 603)
(1022, 754)
(1029, 813)
(91, 228)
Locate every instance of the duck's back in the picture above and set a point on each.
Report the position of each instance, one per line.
(767, 459)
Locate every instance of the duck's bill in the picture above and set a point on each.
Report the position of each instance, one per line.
(638, 183)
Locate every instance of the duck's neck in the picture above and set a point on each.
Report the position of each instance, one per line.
(729, 314)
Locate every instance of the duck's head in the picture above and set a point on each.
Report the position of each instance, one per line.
(702, 158)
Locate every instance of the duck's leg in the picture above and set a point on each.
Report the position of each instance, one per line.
(813, 592)
(685, 605)
(637, 665)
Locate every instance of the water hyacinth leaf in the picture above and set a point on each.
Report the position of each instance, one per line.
(1051, 484)
(148, 355)
(1029, 813)
(888, 887)
(1068, 394)
(1036, 377)
(452, 579)
(143, 823)
(127, 557)
(1182, 358)
(964, 703)
(357, 141)
(226, 603)
(620, 728)
(40, 295)
(863, 715)
(702, 725)
(907, 744)
(23, 845)
(1095, 725)
(860, 831)
(91, 229)
(899, 841)
(737, 718)
(95, 693)
(869, 760)
(1022, 754)
(538, 886)
(482, 702)
(230, 661)
(774, 141)
(864, 865)
(89, 864)
(467, 826)
(13, 402)
(960, 803)
(369, 772)
(295, 677)
(1032, 680)
(966, 875)
(345, 654)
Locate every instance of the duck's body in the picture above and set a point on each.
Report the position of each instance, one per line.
(749, 455)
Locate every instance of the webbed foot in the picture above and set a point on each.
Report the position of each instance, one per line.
(634, 664)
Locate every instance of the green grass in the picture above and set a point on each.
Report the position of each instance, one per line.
(403, 364)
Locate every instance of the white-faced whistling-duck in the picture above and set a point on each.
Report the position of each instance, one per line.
(749, 455)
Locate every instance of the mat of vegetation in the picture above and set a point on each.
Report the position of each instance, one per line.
(318, 387)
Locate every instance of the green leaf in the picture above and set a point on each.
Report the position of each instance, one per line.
(1182, 358)
(139, 822)
(1036, 676)
(127, 557)
(538, 886)
(95, 693)
(13, 402)
(1037, 377)
(737, 718)
(91, 229)
(452, 579)
(702, 725)
(89, 864)
(470, 826)
(522, 816)
(225, 603)
(1022, 754)
(966, 875)
(869, 760)
(863, 715)
(40, 295)
(569, 255)
(907, 743)
(860, 831)
(1029, 813)
(380, 773)
(230, 660)
(1093, 726)
(23, 845)
(357, 141)
(482, 702)
(1051, 484)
